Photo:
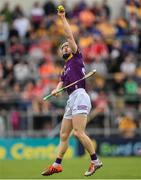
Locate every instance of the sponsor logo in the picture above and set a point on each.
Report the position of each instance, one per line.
(126, 149)
(29, 148)
(82, 107)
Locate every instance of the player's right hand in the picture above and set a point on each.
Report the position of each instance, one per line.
(61, 11)
(54, 92)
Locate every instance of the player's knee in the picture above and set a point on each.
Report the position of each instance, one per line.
(78, 134)
(64, 136)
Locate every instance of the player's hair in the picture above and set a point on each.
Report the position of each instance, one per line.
(62, 45)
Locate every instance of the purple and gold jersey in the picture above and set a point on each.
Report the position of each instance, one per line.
(74, 70)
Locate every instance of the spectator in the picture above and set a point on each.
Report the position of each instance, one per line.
(6, 12)
(130, 9)
(121, 27)
(131, 87)
(13, 32)
(3, 35)
(15, 120)
(133, 22)
(46, 70)
(42, 32)
(86, 18)
(127, 126)
(37, 104)
(37, 14)
(78, 7)
(128, 67)
(18, 12)
(2, 126)
(118, 84)
(15, 94)
(98, 49)
(8, 73)
(131, 92)
(100, 103)
(1, 71)
(49, 8)
(22, 25)
(106, 11)
(100, 67)
(27, 93)
(116, 57)
(107, 29)
(16, 49)
(22, 72)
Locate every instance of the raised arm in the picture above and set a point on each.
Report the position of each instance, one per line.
(67, 28)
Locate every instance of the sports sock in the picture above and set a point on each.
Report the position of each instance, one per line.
(57, 162)
(94, 158)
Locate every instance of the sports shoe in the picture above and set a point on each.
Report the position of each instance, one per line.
(51, 170)
(93, 167)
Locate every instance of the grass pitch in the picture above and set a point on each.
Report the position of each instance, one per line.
(113, 168)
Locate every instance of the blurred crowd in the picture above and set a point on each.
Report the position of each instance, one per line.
(30, 65)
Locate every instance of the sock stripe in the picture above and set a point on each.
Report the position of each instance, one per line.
(58, 160)
(93, 157)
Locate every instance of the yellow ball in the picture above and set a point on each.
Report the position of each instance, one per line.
(60, 8)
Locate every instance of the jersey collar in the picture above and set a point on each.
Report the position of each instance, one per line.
(70, 56)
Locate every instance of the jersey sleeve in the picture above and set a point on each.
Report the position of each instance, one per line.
(78, 52)
(78, 57)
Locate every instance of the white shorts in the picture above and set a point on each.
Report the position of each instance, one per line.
(78, 103)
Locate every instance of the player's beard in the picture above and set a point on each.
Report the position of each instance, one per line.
(66, 55)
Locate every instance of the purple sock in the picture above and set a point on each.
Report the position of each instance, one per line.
(93, 157)
(58, 160)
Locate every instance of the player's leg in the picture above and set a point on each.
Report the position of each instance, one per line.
(66, 128)
(79, 124)
(80, 110)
